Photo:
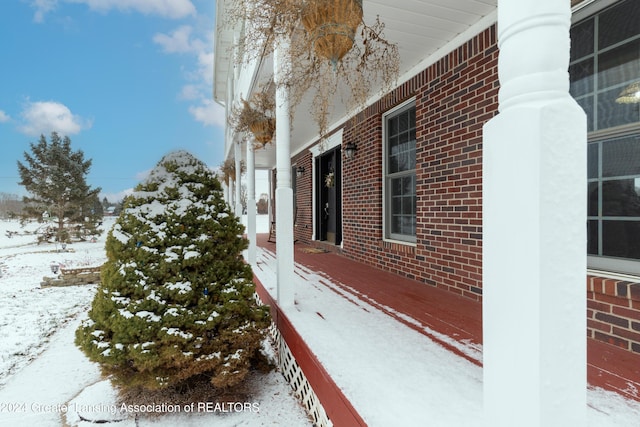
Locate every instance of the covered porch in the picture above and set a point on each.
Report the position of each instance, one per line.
(381, 349)
(470, 174)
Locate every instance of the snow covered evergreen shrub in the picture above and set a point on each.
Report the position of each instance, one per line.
(176, 299)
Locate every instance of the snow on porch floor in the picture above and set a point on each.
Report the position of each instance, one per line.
(391, 371)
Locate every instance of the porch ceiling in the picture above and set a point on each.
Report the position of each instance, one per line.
(420, 28)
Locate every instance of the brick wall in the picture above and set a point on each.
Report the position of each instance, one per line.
(454, 98)
(303, 224)
(613, 312)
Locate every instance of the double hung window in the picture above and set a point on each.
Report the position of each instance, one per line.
(605, 81)
(400, 174)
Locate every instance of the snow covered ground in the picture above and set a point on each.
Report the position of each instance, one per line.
(392, 374)
(45, 380)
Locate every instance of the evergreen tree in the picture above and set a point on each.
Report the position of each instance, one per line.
(54, 176)
(176, 299)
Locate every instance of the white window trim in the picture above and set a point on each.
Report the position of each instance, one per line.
(385, 214)
(589, 7)
(615, 276)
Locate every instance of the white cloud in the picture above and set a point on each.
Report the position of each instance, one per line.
(199, 76)
(205, 66)
(202, 71)
(42, 7)
(209, 113)
(44, 117)
(179, 41)
(190, 92)
(4, 117)
(174, 9)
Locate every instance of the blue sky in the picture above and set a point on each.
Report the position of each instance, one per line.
(127, 80)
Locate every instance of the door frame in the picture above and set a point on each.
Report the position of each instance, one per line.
(332, 142)
(329, 199)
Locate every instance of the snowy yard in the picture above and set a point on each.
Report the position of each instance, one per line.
(45, 380)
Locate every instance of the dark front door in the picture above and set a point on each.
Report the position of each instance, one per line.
(329, 197)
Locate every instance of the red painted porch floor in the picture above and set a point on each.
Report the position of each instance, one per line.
(448, 318)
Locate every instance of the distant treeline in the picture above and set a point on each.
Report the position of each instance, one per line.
(10, 205)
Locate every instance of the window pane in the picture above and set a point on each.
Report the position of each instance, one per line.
(393, 126)
(621, 197)
(396, 185)
(407, 205)
(618, 23)
(592, 237)
(581, 76)
(402, 205)
(592, 162)
(409, 225)
(403, 123)
(582, 39)
(621, 239)
(409, 185)
(592, 209)
(611, 114)
(403, 140)
(412, 160)
(621, 157)
(403, 161)
(393, 164)
(620, 65)
(393, 145)
(396, 224)
(396, 204)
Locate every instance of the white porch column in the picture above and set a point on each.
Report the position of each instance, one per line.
(225, 191)
(284, 192)
(238, 183)
(534, 220)
(251, 203)
(270, 197)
